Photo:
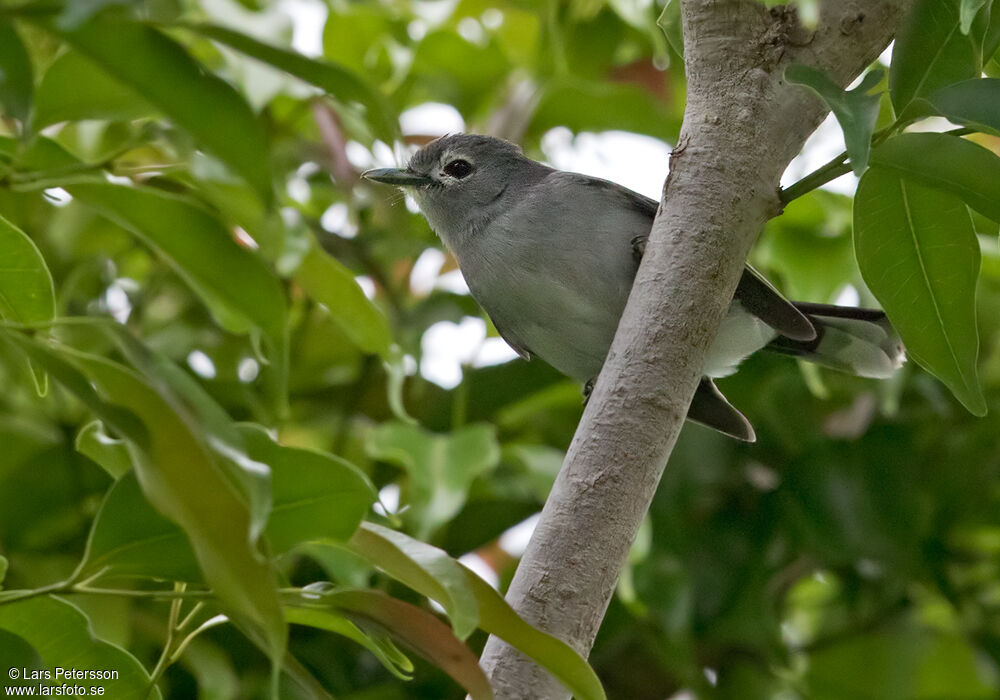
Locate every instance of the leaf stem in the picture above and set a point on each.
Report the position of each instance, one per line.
(839, 166)
(168, 644)
(822, 175)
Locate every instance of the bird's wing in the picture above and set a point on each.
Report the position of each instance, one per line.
(512, 340)
(754, 291)
(766, 303)
(710, 408)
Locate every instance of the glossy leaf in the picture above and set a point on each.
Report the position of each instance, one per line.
(17, 653)
(918, 254)
(340, 83)
(967, 11)
(855, 110)
(130, 538)
(250, 478)
(495, 615)
(670, 22)
(110, 453)
(583, 105)
(382, 648)
(900, 663)
(956, 165)
(26, 291)
(74, 87)
(195, 99)
(441, 468)
(930, 52)
(179, 477)
(991, 37)
(809, 247)
(972, 103)
(316, 495)
(236, 285)
(327, 281)
(16, 77)
(423, 568)
(216, 521)
(61, 635)
(417, 629)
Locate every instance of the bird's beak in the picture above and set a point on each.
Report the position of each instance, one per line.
(396, 176)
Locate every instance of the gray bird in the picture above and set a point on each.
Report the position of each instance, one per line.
(551, 256)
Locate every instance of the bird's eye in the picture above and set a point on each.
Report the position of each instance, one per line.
(458, 168)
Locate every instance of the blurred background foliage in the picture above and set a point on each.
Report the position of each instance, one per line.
(852, 552)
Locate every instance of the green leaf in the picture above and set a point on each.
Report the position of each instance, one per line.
(381, 646)
(75, 88)
(17, 653)
(360, 36)
(182, 481)
(495, 615)
(809, 247)
(26, 291)
(16, 79)
(395, 369)
(423, 568)
(930, 52)
(327, 281)
(316, 495)
(670, 22)
(918, 254)
(76, 12)
(61, 635)
(949, 163)
(440, 467)
(234, 283)
(161, 70)
(991, 37)
(856, 110)
(179, 476)
(972, 103)
(251, 479)
(589, 105)
(450, 69)
(111, 454)
(967, 11)
(3, 570)
(130, 538)
(899, 663)
(417, 629)
(124, 421)
(340, 83)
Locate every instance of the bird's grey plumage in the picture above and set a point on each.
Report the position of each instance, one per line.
(550, 256)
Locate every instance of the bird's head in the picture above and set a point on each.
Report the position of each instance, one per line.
(459, 180)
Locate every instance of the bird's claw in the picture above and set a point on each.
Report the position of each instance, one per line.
(638, 247)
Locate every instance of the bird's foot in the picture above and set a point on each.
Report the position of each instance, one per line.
(588, 388)
(639, 247)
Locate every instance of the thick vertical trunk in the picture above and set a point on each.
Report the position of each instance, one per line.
(742, 125)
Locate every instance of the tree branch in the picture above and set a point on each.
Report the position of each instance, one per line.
(742, 125)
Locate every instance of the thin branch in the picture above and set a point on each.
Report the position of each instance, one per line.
(839, 166)
(817, 178)
(336, 145)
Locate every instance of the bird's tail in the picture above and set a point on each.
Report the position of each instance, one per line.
(858, 341)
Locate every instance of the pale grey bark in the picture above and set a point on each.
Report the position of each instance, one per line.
(742, 125)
